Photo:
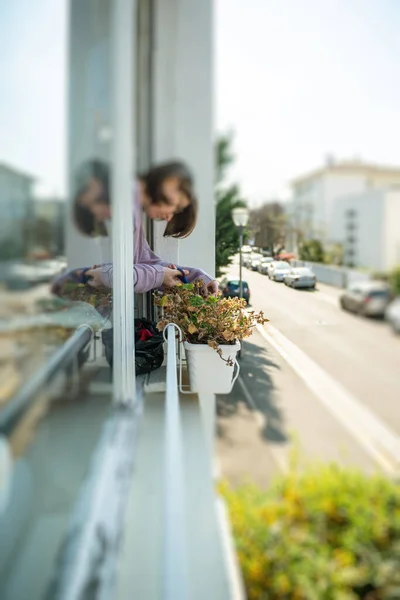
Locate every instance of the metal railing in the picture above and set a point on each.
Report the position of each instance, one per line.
(64, 357)
(87, 560)
(176, 586)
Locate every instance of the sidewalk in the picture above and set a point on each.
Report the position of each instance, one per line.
(249, 420)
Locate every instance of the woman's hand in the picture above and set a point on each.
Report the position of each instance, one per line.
(95, 279)
(67, 277)
(212, 288)
(172, 277)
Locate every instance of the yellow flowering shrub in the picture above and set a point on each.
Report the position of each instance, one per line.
(327, 533)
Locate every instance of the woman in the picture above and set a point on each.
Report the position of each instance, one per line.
(164, 193)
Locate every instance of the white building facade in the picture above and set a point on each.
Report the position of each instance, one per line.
(16, 202)
(367, 225)
(318, 211)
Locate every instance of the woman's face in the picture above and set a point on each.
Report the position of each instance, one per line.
(94, 198)
(175, 201)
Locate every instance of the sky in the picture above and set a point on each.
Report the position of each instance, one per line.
(295, 80)
(33, 90)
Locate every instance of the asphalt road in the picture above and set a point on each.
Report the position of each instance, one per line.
(315, 377)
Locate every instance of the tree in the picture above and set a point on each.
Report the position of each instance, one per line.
(10, 249)
(227, 197)
(334, 255)
(37, 232)
(394, 280)
(312, 250)
(268, 224)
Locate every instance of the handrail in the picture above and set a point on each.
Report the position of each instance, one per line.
(88, 557)
(17, 405)
(176, 586)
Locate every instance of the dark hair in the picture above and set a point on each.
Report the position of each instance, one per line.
(180, 226)
(83, 217)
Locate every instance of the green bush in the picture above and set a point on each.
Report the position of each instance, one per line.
(394, 280)
(312, 250)
(380, 276)
(327, 534)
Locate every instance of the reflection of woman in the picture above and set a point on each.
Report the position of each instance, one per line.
(164, 193)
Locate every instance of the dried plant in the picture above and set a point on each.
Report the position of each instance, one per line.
(211, 320)
(80, 292)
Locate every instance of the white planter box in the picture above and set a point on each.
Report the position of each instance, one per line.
(208, 373)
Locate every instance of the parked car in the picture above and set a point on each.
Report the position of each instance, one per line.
(301, 277)
(270, 267)
(23, 275)
(392, 315)
(248, 258)
(369, 298)
(255, 261)
(279, 270)
(265, 262)
(231, 289)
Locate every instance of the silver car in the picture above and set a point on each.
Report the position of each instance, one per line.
(279, 270)
(255, 262)
(392, 315)
(264, 264)
(370, 298)
(301, 277)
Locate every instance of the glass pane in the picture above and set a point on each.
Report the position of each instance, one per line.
(48, 133)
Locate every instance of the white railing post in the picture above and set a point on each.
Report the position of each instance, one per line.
(208, 407)
(176, 584)
(123, 70)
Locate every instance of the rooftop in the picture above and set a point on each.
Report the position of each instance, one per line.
(16, 172)
(349, 167)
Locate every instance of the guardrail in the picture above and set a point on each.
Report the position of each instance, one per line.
(176, 585)
(339, 277)
(62, 358)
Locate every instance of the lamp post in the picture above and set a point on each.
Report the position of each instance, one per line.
(240, 217)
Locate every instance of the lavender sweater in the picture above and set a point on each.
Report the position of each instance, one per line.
(148, 269)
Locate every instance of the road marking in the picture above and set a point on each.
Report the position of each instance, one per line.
(278, 451)
(327, 298)
(380, 442)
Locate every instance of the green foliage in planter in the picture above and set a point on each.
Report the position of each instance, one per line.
(326, 534)
(205, 319)
(79, 292)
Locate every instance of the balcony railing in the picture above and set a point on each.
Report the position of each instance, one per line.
(178, 544)
(65, 357)
(176, 541)
(175, 551)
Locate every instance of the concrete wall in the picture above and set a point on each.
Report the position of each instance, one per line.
(337, 185)
(315, 201)
(183, 115)
(339, 277)
(88, 112)
(369, 234)
(178, 90)
(391, 250)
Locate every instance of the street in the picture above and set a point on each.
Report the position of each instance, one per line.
(315, 378)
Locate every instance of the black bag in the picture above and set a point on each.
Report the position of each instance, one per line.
(149, 351)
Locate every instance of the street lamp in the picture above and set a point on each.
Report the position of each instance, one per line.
(240, 217)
